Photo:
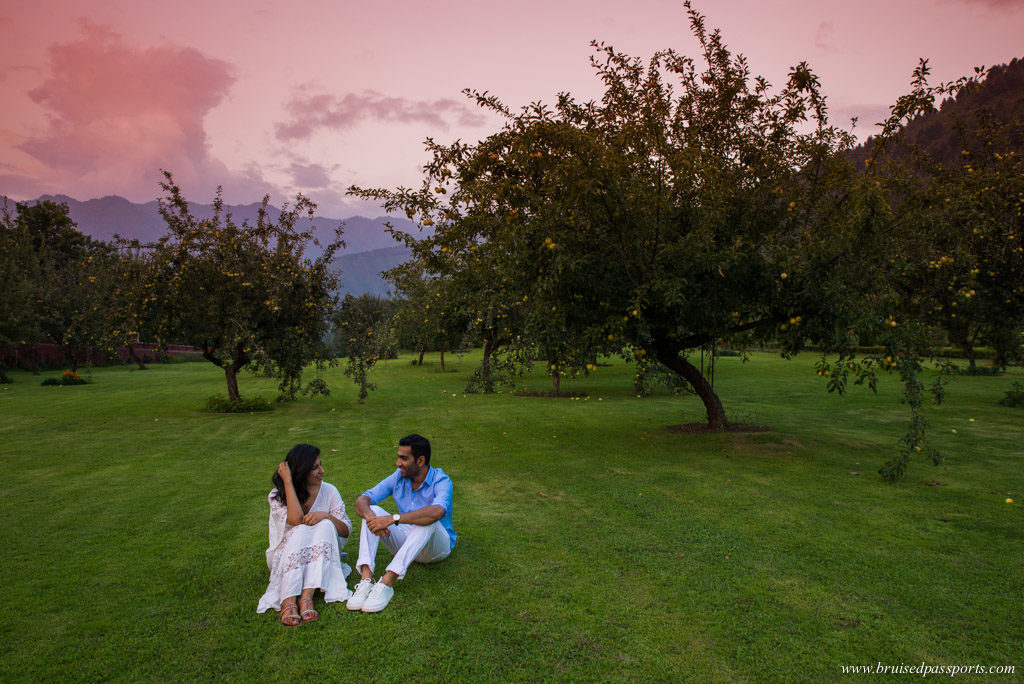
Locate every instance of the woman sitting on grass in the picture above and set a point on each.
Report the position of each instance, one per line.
(308, 527)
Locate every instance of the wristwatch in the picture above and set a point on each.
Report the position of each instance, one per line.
(397, 517)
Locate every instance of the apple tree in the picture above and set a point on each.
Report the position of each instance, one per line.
(61, 270)
(245, 295)
(685, 207)
(363, 332)
(432, 312)
(968, 222)
(691, 205)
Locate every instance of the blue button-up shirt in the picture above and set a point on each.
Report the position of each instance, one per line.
(436, 490)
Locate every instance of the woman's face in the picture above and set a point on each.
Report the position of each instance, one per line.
(316, 475)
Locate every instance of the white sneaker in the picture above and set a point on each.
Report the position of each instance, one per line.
(359, 594)
(378, 599)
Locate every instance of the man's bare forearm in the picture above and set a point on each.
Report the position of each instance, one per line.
(427, 515)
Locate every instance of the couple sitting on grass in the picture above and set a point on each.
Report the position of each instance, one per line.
(308, 528)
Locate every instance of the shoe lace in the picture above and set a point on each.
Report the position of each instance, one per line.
(366, 583)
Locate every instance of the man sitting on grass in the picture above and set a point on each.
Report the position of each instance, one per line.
(421, 531)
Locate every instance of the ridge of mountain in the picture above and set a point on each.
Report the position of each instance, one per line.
(998, 98)
(360, 272)
(369, 247)
(105, 217)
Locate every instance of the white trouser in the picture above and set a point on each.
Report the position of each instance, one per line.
(420, 543)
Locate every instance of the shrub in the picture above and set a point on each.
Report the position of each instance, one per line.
(221, 404)
(1014, 396)
(68, 377)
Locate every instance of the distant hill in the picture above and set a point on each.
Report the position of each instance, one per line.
(360, 273)
(112, 215)
(369, 248)
(1000, 96)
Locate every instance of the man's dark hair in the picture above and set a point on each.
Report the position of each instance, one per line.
(420, 446)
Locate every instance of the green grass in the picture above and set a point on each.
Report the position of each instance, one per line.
(593, 543)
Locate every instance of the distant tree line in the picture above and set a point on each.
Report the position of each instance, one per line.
(244, 295)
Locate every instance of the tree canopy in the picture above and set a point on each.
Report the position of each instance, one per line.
(243, 294)
(50, 277)
(691, 205)
(686, 207)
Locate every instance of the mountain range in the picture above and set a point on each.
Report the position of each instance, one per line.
(369, 248)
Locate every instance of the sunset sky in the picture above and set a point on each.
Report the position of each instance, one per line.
(316, 95)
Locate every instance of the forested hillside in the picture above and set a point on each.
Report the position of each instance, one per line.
(998, 99)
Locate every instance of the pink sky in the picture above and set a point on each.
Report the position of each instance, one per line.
(317, 95)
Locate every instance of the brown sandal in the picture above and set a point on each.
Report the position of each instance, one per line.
(290, 615)
(308, 614)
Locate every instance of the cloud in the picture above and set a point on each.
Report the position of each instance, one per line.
(310, 175)
(867, 115)
(118, 112)
(310, 112)
(823, 36)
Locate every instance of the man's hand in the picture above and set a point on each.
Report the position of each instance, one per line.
(379, 524)
(313, 517)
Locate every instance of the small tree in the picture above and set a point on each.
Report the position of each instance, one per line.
(131, 312)
(244, 295)
(435, 312)
(364, 334)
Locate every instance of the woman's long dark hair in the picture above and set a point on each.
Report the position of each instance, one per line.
(300, 459)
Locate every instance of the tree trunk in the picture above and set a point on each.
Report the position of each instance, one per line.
(969, 351)
(230, 369)
(712, 404)
(70, 355)
(486, 384)
(556, 381)
(442, 359)
(33, 359)
(422, 352)
(231, 375)
(363, 392)
(3, 377)
(135, 357)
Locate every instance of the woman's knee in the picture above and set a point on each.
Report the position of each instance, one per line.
(324, 525)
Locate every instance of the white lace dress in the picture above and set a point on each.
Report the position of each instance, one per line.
(301, 556)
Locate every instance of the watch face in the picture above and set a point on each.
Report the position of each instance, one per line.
(395, 517)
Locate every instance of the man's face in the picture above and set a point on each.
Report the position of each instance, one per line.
(406, 463)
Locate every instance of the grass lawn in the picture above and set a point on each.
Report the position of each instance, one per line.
(594, 544)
